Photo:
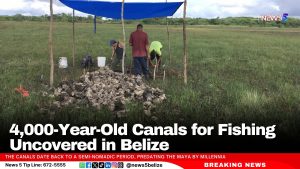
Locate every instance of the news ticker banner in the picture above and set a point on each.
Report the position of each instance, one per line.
(149, 161)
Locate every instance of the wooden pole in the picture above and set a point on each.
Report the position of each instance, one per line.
(73, 20)
(169, 43)
(50, 43)
(168, 33)
(95, 24)
(184, 44)
(124, 37)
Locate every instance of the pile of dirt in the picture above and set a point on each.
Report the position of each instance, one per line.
(105, 88)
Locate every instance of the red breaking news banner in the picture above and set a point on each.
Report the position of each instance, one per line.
(157, 160)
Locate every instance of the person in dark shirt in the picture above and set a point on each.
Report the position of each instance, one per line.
(140, 46)
(117, 55)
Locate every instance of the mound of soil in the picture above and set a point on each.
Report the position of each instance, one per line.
(105, 88)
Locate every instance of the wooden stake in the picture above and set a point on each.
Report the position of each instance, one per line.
(50, 43)
(124, 37)
(184, 44)
(73, 20)
(164, 73)
(169, 43)
(154, 72)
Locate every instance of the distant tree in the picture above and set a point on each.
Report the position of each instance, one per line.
(18, 17)
(215, 21)
(245, 21)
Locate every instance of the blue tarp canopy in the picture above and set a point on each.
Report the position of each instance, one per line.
(132, 10)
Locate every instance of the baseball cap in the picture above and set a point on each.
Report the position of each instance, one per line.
(111, 42)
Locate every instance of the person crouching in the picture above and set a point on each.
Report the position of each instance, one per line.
(117, 55)
(155, 53)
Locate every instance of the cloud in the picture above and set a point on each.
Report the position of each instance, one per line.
(196, 8)
(227, 8)
(33, 7)
(290, 6)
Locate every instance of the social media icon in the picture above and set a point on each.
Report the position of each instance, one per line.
(114, 165)
(81, 165)
(107, 164)
(88, 165)
(95, 165)
(101, 164)
(120, 165)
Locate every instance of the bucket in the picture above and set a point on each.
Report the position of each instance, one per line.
(101, 61)
(63, 63)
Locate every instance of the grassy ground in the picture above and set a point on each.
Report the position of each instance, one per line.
(236, 74)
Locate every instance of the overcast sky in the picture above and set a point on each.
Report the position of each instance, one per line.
(196, 8)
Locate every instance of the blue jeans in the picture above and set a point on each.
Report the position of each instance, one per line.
(140, 66)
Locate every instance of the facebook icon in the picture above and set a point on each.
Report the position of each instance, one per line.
(88, 165)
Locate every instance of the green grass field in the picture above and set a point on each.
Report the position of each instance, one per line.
(236, 74)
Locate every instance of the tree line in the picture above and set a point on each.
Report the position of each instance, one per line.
(242, 21)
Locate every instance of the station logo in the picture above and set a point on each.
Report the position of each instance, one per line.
(285, 17)
(278, 18)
